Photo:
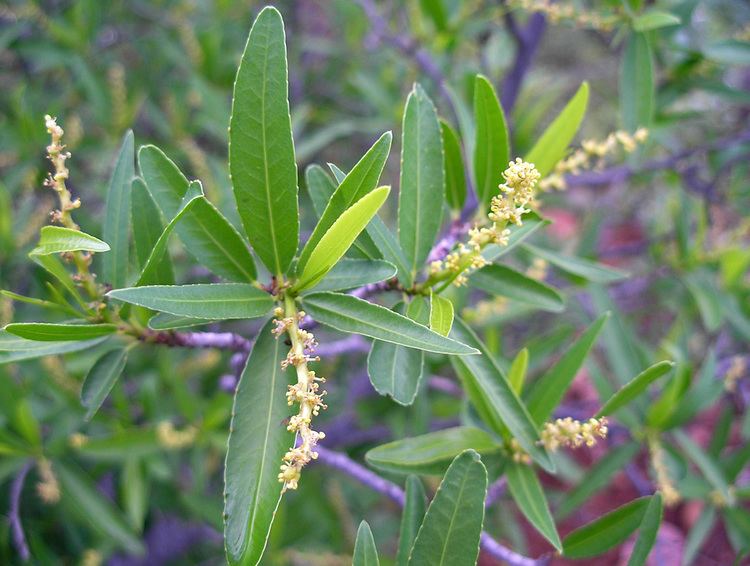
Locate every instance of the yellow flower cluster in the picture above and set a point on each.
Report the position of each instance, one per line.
(591, 155)
(57, 155)
(306, 393)
(572, 433)
(48, 489)
(78, 440)
(562, 11)
(517, 192)
(518, 454)
(736, 370)
(171, 438)
(663, 481)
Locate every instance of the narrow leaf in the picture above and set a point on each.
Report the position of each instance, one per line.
(261, 149)
(580, 267)
(56, 239)
(351, 273)
(528, 494)
(165, 321)
(654, 19)
(320, 186)
(637, 83)
(491, 148)
(635, 387)
(411, 518)
(16, 349)
(455, 176)
(441, 314)
(647, 532)
(517, 371)
(365, 552)
(117, 215)
(507, 282)
(147, 227)
(100, 380)
(395, 370)
(46, 332)
(708, 467)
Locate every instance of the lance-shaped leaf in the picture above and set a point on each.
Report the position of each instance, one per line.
(351, 314)
(552, 145)
(441, 314)
(101, 378)
(491, 149)
(708, 467)
(389, 247)
(415, 507)
(365, 552)
(320, 186)
(261, 149)
(654, 19)
(422, 182)
(340, 236)
(528, 494)
(16, 349)
(492, 395)
(580, 267)
(207, 234)
(56, 240)
(647, 531)
(257, 442)
(47, 332)
(606, 532)
(166, 321)
(351, 273)
(517, 370)
(455, 175)
(431, 453)
(147, 228)
(637, 83)
(358, 183)
(635, 387)
(218, 301)
(507, 282)
(550, 389)
(117, 215)
(453, 524)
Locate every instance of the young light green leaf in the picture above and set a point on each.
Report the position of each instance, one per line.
(257, 443)
(455, 176)
(504, 281)
(365, 552)
(431, 453)
(441, 314)
(637, 83)
(218, 301)
(261, 148)
(56, 240)
(491, 148)
(351, 273)
(453, 524)
(411, 518)
(422, 181)
(492, 395)
(635, 387)
(606, 532)
(340, 236)
(79, 494)
(17, 349)
(47, 332)
(358, 183)
(528, 494)
(147, 227)
(708, 467)
(166, 321)
(351, 314)
(517, 371)
(647, 531)
(550, 389)
(117, 215)
(580, 267)
(101, 378)
(551, 147)
(654, 19)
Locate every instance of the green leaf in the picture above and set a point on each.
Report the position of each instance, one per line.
(101, 378)
(166, 321)
(422, 181)
(647, 531)
(350, 314)
(637, 92)
(654, 19)
(257, 442)
(81, 496)
(491, 148)
(492, 395)
(455, 176)
(518, 234)
(365, 552)
(134, 487)
(207, 234)
(552, 146)
(147, 227)
(431, 453)
(320, 186)
(708, 467)
(261, 149)
(707, 297)
(340, 236)
(698, 533)
(528, 494)
(56, 239)
(351, 273)
(16, 349)
(606, 532)
(507, 282)
(388, 245)
(411, 518)
(117, 215)
(46, 332)
(360, 182)
(218, 301)
(580, 267)
(550, 389)
(517, 371)
(728, 52)
(453, 524)
(441, 314)
(634, 388)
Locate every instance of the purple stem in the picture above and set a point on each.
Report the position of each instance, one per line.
(455, 232)
(343, 463)
(495, 491)
(527, 42)
(14, 514)
(354, 344)
(445, 385)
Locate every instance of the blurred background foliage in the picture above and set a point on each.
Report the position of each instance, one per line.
(673, 213)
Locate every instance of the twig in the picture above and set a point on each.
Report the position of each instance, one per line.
(14, 514)
(495, 491)
(527, 42)
(345, 464)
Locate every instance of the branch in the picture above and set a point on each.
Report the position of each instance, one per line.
(14, 514)
(351, 468)
(527, 42)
